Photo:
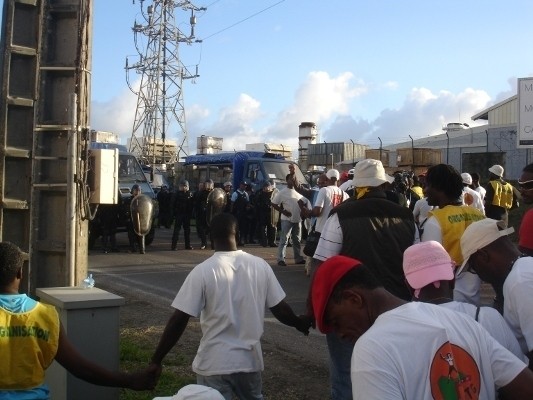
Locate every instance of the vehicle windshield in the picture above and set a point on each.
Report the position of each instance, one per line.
(129, 169)
(278, 171)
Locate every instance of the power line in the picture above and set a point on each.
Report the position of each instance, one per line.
(242, 20)
(214, 2)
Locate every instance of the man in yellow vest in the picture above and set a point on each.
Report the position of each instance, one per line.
(31, 337)
(444, 189)
(499, 197)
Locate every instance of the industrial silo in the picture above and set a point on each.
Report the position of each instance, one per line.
(307, 135)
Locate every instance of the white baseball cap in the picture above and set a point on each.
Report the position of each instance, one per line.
(467, 178)
(480, 234)
(333, 173)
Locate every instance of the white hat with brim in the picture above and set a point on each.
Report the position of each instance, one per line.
(497, 170)
(478, 235)
(370, 173)
(197, 392)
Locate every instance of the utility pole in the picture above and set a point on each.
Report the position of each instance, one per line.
(44, 114)
(159, 134)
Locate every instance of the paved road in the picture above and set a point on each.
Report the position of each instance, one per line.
(157, 275)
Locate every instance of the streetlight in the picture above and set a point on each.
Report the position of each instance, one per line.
(412, 153)
(326, 154)
(331, 154)
(353, 153)
(448, 146)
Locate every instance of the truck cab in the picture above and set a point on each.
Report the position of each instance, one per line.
(130, 172)
(253, 167)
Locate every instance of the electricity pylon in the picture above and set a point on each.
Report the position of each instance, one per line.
(159, 134)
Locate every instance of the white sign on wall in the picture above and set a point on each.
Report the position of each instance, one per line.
(525, 112)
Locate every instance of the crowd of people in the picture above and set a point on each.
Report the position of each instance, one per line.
(395, 283)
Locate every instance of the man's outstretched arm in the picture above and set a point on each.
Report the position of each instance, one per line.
(172, 333)
(284, 314)
(74, 362)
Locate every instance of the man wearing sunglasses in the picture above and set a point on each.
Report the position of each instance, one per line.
(525, 185)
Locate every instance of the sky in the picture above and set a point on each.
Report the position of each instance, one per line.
(365, 70)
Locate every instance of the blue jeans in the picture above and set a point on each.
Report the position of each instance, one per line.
(293, 229)
(245, 385)
(340, 359)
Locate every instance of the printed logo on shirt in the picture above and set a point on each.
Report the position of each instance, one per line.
(336, 199)
(24, 331)
(454, 374)
(466, 216)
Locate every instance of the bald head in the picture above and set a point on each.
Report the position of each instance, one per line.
(223, 232)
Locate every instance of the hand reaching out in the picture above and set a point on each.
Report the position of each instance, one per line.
(306, 323)
(146, 379)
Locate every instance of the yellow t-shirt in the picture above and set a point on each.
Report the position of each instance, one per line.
(28, 345)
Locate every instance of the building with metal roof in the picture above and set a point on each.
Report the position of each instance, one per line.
(475, 149)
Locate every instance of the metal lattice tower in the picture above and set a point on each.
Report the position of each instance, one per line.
(159, 134)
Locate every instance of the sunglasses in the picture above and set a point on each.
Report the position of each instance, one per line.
(525, 185)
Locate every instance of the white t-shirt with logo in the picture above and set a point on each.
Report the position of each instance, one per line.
(472, 198)
(229, 292)
(424, 351)
(490, 319)
(328, 197)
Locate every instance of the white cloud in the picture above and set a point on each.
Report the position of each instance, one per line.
(424, 113)
(115, 115)
(391, 85)
(321, 98)
(513, 88)
(235, 123)
(318, 99)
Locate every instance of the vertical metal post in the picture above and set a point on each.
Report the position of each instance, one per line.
(326, 155)
(72, 148)
(353, 153)
(412, 153)
(447, 147)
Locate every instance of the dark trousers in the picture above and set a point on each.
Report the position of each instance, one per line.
(202, 228)
(108, 237)
(179, 221)
(242, 234)
(164, 219)
(267, 234)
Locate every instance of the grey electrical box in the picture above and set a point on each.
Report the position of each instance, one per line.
(91, 321)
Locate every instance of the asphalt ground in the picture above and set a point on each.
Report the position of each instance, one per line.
(158, 274)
